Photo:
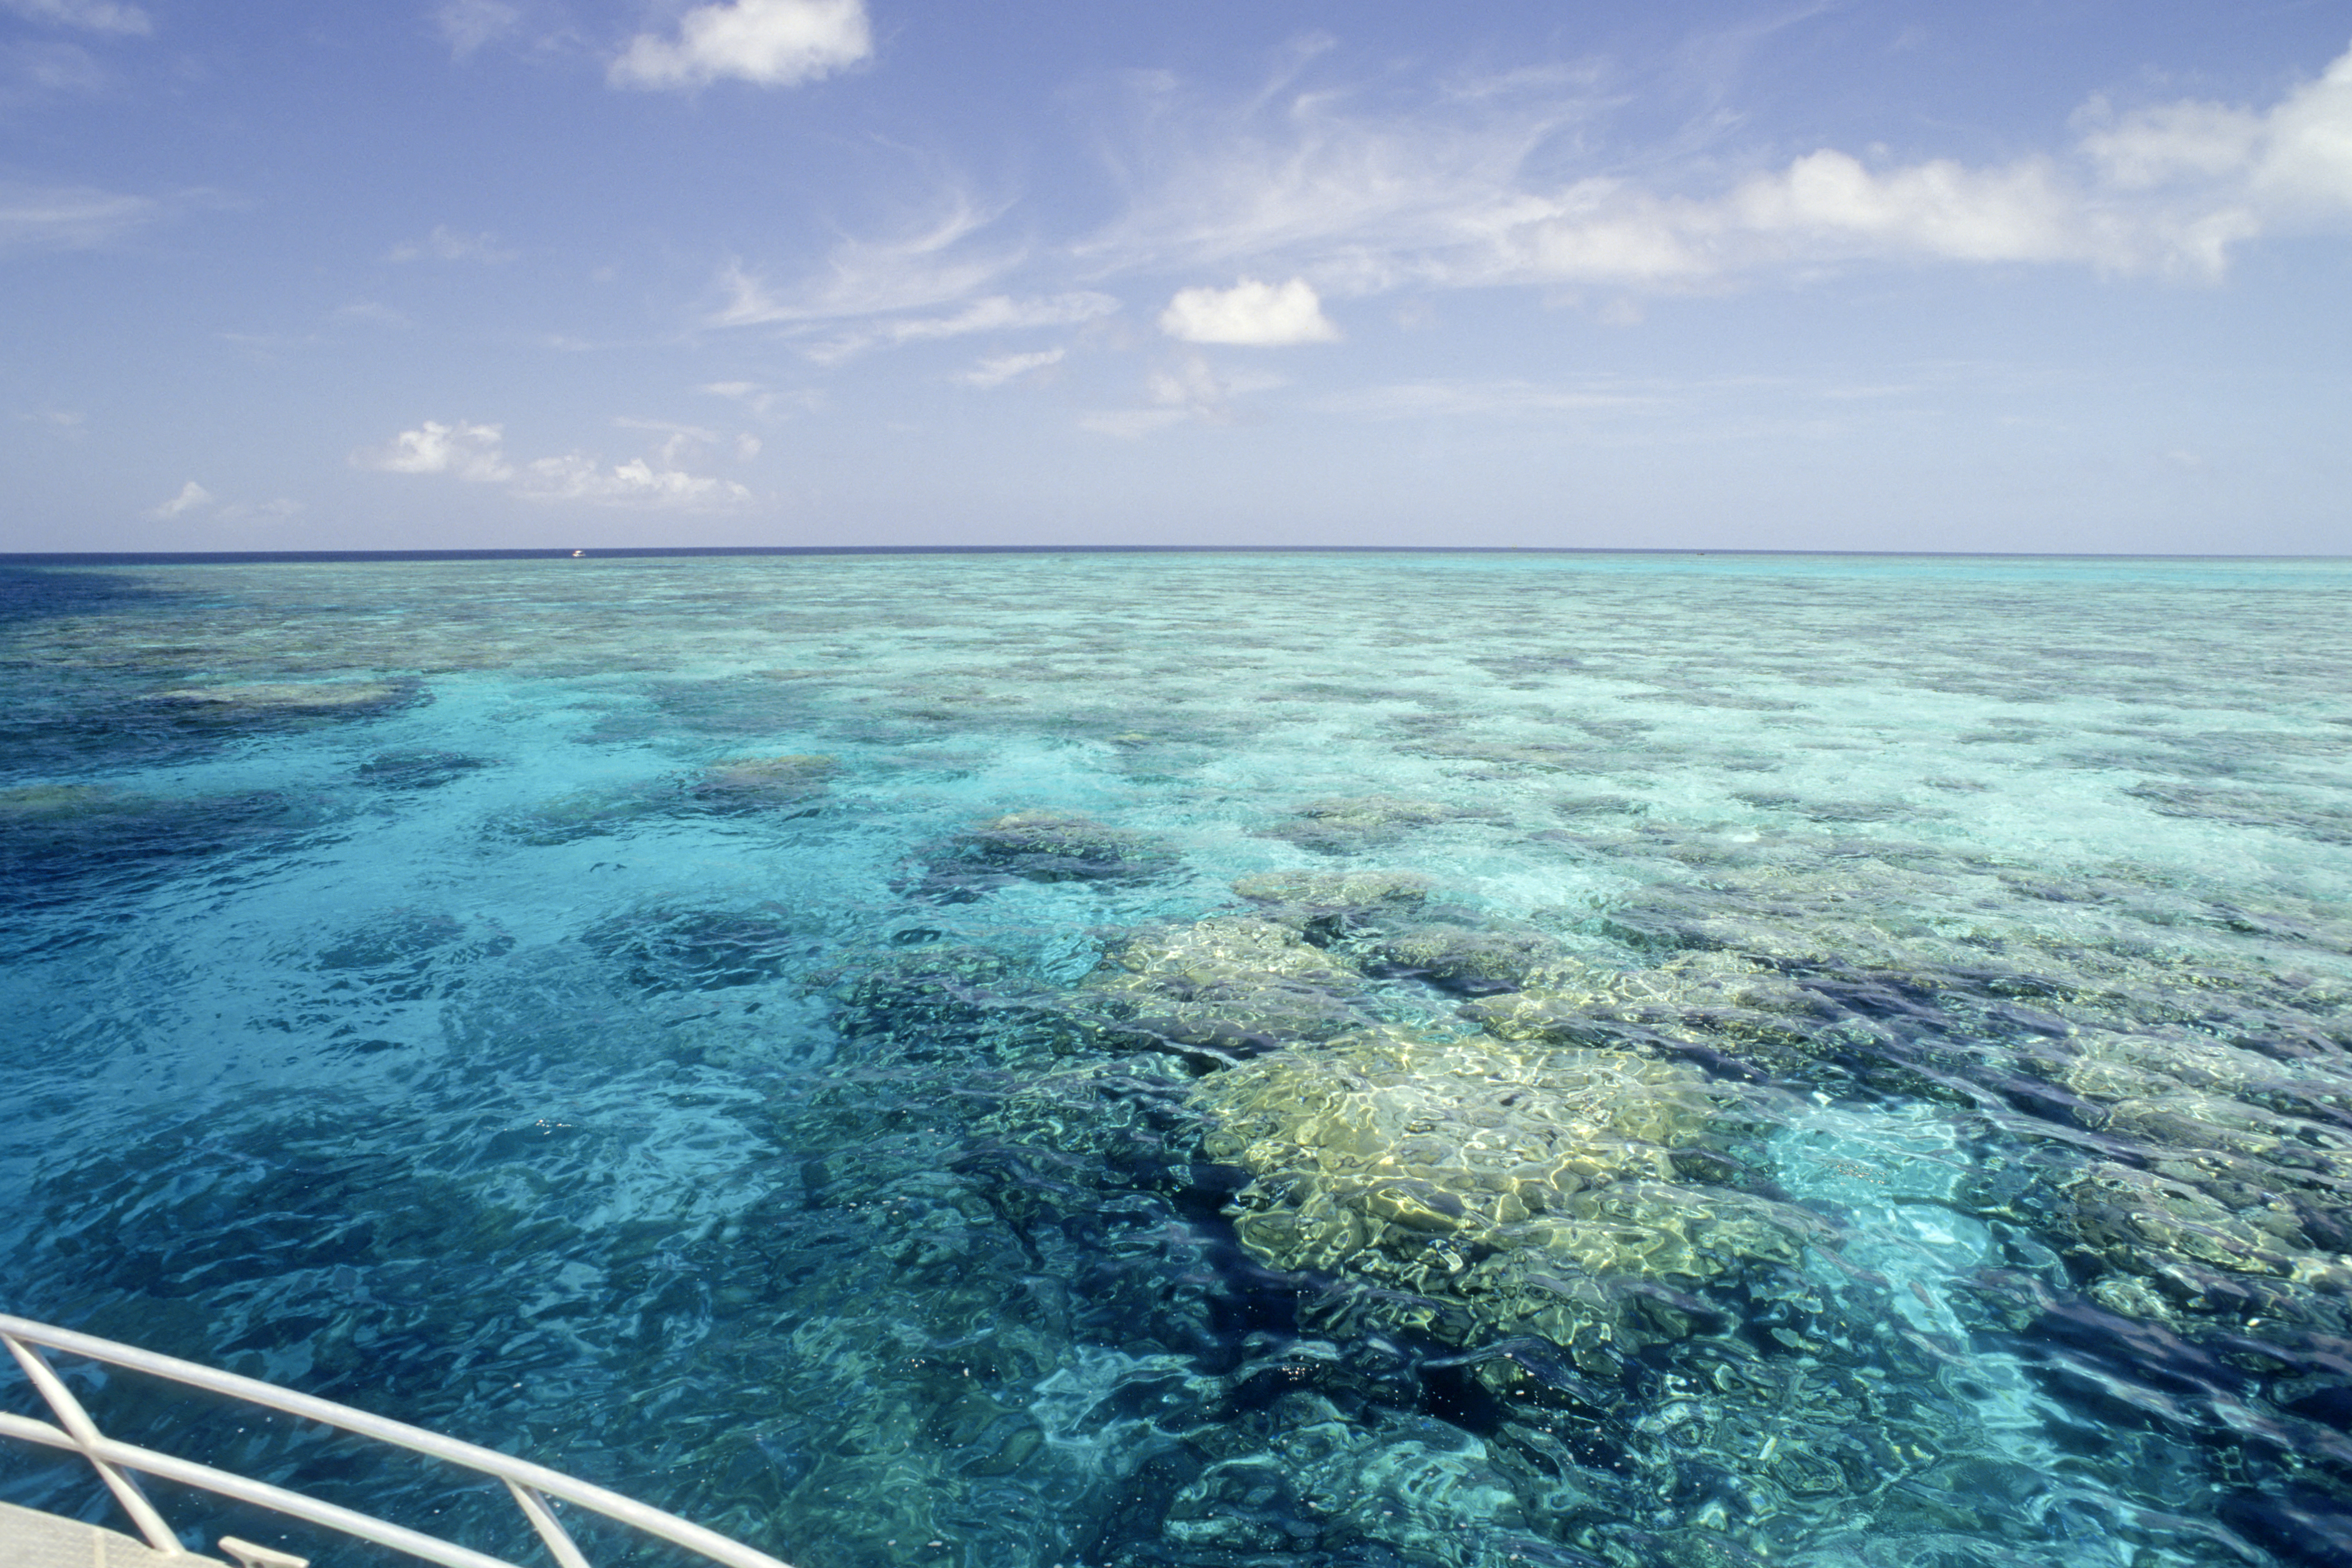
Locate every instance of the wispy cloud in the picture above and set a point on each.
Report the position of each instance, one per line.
(770, 43)
(478, 453)
(467, 25)
(994, 371)
(31, 69)
(1500, 185)
(1479, 399)
(1189, 391)
(1264, 315)
(1364, 192)
(767, 402)
(373, 311)
(934, 265)
(91, 15)
(994, 313)
(445, 244)
(68, 217)
(576, 476)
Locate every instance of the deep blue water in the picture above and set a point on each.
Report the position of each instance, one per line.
(1134, 1060)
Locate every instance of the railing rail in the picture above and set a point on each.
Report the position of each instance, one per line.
(118, 1465)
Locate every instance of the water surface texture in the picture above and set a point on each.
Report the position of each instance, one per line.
(1128, 1061)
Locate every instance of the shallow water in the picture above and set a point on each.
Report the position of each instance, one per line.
(1199, 1059)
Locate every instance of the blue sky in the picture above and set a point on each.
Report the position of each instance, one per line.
(473, 273)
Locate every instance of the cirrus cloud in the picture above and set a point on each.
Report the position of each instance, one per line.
(1477, 186)
(91, 15)
(68, 217)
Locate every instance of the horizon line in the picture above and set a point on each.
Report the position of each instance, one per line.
(266, 557)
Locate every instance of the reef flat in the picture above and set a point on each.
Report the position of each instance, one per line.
(1192, 1061)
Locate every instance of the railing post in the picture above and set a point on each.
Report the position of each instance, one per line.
(84, 1431)
(543, 1519)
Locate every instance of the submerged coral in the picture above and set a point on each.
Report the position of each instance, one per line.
(286, 701)
(1227, 986)
(762, 784)
(1352, 825)
(417, 770)
(1038, 846)
(1525, 1188)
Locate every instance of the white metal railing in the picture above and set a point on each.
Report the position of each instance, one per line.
(535, 1487)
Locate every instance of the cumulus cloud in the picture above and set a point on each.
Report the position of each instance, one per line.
(445, 244)
(1478, 186)
(68, 217)
(1265, 315)
(192, 497)
(2283, 168)
(91, 15)
(995, 371)
(771, 43)
(477, 453)
(474, 452)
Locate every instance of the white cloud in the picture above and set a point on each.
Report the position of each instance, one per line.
(68, 217)
(1261, 314)
(1478, 185)
(773, 42)
(2305, 161)
(1188, 391)
(192, 497)
(996, 314)
(636, 483)
(681, 438)
(996, 372)
(445, 244)
(927, 268)
(35, 68)
(924, 285)
(472, 452)
(477, 452)
(766, 402)
(91, 15)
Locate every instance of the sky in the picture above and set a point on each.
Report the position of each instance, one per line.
(2071, 275)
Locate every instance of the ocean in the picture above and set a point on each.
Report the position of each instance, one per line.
(1108, 1060)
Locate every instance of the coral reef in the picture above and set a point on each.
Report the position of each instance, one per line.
(1352, 825)
(1526, 1186)
(1037, 847)
(765, 783)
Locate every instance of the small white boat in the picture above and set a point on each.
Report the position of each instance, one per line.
(31, 1538)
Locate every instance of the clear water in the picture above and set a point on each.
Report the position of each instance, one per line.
(1194, 1060)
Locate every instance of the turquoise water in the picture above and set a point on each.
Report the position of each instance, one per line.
(1198, 1059)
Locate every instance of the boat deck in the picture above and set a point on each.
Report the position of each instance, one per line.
(31, 1538)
